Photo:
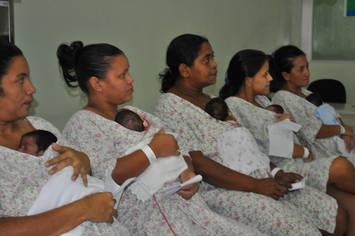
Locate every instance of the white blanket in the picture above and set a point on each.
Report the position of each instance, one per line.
(157, 174)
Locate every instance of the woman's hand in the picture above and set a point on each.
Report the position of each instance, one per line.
(349, 142)
(70, 157)
(99, 207)
(282, 117)
(288, 177)
(271, 187)
(349, 131)
(188, 191)
(164, 145)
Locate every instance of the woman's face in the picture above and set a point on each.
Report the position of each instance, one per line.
(117, 85)
(260, 83)
(17, 91)
(204, 70)
(299, 74)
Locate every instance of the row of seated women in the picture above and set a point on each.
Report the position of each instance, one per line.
(228, 201)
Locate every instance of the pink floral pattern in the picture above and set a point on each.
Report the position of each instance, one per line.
(22, 177)
(174, 216)
(256, 120)
(298, 213)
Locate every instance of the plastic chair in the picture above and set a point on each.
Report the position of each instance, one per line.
(330, 90)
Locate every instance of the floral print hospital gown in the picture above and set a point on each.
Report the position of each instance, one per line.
(298, 213)
(257, 119)
(22, 177)
(104, 141)
(302, 112)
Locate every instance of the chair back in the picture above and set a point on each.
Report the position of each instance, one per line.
(330, 90)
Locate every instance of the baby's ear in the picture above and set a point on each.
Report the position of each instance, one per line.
(40, 153)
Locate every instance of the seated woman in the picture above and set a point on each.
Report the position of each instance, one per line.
(292, 75)
(248, 83)
(101, 70)
(22, 176)
(191, 67)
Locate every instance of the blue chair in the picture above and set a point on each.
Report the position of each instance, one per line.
(330, 90)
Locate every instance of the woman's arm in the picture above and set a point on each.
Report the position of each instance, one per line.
(223, 177)
(327, 131)
(132, 165)
(299, 152)
(95, 208)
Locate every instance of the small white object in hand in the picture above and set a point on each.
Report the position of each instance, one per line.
(176, 188)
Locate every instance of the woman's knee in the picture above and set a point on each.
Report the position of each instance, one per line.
(342, 221)
(341, 167)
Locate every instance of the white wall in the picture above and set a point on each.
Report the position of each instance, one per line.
(142, 29)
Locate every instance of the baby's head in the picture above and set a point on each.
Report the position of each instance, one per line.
(276, 108)
(315, 98)
(36, 142)
(217, 108)
(130, 120)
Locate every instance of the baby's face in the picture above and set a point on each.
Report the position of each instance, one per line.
(28, 146)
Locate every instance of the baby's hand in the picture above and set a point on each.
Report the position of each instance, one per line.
(282, 117)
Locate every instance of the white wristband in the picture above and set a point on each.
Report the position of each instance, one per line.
(306, 152)
(149, 153)
(274, 171)
(342, 130)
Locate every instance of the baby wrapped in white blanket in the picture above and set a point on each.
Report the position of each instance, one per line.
(60, 189)
(160, 171)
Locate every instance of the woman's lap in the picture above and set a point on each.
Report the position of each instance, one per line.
(264, 213)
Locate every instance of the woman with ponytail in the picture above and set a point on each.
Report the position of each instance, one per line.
(102, 72)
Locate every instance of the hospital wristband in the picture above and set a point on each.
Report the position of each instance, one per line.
(306, 152)
(342, 130)
(149, 153)
(274, 171)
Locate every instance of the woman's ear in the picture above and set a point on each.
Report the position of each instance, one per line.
(285, 75)
(248, 81)
(183, 69)
(95, 83)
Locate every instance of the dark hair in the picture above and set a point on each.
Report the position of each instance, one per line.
(7, 52)
(272, 68)
(43, 138)
(182, 49)
(130, 120)
(217, 108)
(78, 63)
(315, 99)
(245, 63)
(278, 109)
(284, 58)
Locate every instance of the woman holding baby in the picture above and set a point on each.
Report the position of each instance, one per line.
(102, 72)
(245, 89)
(191, 67)
(22, 176)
